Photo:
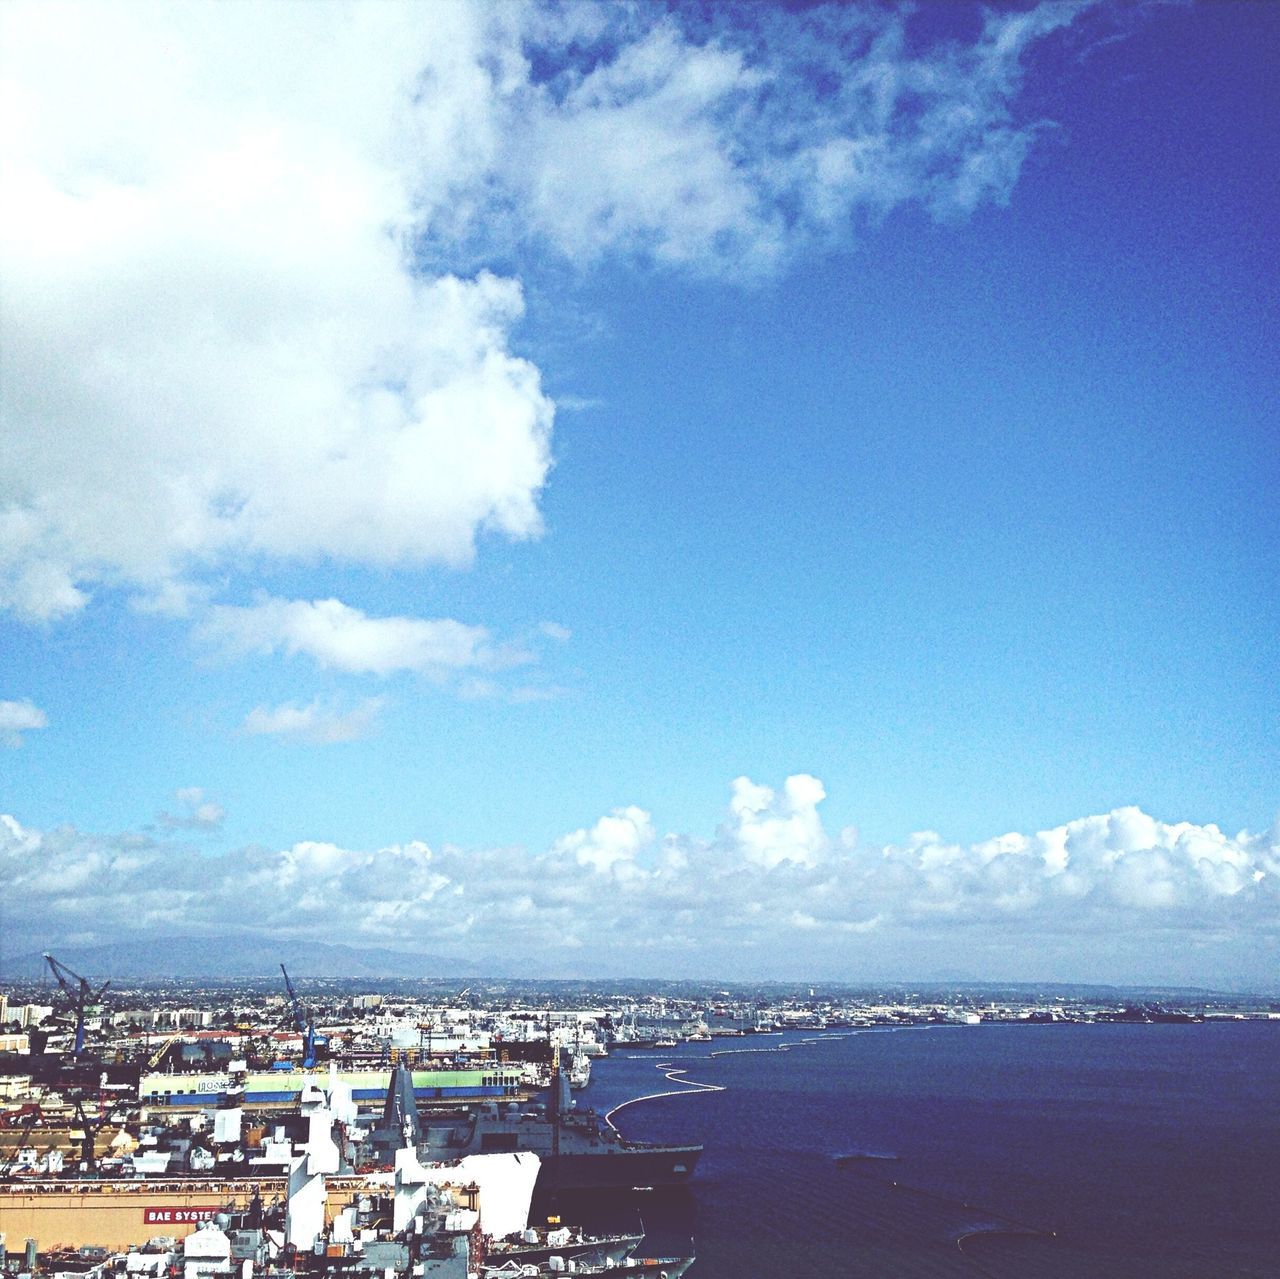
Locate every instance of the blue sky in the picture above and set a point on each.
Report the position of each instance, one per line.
(491, 459)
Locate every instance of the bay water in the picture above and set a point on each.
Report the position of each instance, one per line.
(1014, 1151)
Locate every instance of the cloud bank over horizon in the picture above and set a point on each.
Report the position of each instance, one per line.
(772, 887)
(251, 318)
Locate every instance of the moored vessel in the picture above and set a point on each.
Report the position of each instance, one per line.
(535, 1246)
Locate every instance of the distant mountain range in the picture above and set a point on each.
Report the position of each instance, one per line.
(241, 956)
(237, 956)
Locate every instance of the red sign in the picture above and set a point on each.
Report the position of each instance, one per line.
(178, 1216)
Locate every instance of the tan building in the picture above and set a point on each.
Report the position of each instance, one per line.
(42, 1139)
(117, 1214)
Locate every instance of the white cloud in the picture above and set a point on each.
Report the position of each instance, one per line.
(196, 811)
(612, 843)
(1122, 861)
(217, 349)
(732, 147)
(316, 723)
(338, 637)
(619, 895)
(770, 829)
(224, 349)
(17, 718)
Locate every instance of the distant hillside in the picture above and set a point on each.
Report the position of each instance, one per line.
(234, 956)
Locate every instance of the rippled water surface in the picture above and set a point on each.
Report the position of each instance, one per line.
(1015, 1151)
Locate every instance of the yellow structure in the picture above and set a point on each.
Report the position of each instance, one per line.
(117, 1214)
(67, 1139)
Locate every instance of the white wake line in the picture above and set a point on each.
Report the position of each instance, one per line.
(818, 1039)
(692, 1085)
(785, 1048)
(672, 1073)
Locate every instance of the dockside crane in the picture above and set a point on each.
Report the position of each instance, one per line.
(82, 995)
(306, 1026)
(32, 1116)
(89, 1129)
(158, 1056)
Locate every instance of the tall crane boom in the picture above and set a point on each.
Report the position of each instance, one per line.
(294, 1002)
(158, 1056)
(305, 1025)
(81, 995)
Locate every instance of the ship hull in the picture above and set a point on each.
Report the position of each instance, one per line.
(619, 1170)
(578, 1152)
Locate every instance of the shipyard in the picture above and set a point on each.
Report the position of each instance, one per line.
(368, 1134)
(397, 1127)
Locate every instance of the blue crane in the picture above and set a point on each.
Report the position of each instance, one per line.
(306, 1026)
(82, 995)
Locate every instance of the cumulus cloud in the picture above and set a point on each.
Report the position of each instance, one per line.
(771, 828)
(317, 723)
(247, 317)
(338, 637)
(218, 351)
(195, 811)
(612, 843)
(616, 893)
(17, 718)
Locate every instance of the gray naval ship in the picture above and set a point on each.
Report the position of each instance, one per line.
(572, 1251)
(579, 1150)
(629, 1268)
(536, 1246)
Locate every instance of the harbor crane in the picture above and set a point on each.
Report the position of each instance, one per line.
(88, 1138)
(26, 1119)
(158, 1056)
(82, 995)
(306, 1026)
